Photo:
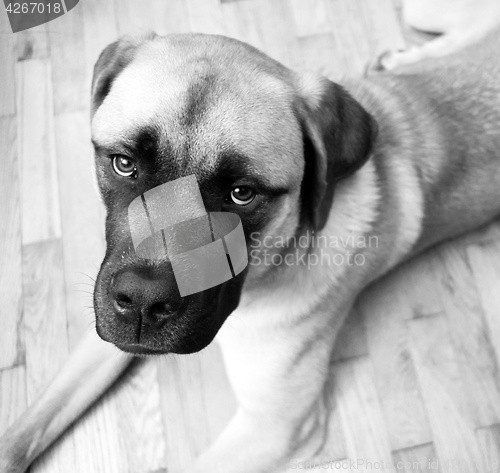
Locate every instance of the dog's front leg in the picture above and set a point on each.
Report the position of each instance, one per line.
(278, 373)
(90, 369)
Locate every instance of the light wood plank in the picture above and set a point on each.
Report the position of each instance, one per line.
(489, 441)
(99, 29)
(382, 26)
(239, 20)
(277, 36)
(254, 22)
(7, 69)
(317, 54)
(12, 395)
(350, 35)
(442, 391)
(99, 444)
(5, 27)
(39, 186)
(45, 334)
(478, 367)
(139, 416)
(7, 74)
(483, 259)
(362, 30)
(82, 215)
(184, 409)
(32, 43)
(161, 17)
(385, 313)
(12, 346)
(310, 18)
(44, 312)
(97, 437)
(366, 437)
(174, 18)
(205, 16)
(421, 458)
(99, 441)
(67, 52)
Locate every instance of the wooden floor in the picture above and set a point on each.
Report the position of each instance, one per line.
(416, 378)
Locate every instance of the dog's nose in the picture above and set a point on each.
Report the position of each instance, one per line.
(136, 296)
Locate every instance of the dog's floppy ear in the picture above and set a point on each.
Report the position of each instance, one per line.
(338, 136)
(113, 59)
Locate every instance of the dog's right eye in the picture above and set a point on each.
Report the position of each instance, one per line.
(242, 195)
(124, 166)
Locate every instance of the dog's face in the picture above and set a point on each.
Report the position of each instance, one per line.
(165, 108)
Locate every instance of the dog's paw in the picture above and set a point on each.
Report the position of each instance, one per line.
(390, 60)
(436, 48)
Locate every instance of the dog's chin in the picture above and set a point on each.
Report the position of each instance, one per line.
(140, 350)
(181, 348)
(180, 337)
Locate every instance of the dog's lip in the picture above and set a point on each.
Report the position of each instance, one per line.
(137, 349)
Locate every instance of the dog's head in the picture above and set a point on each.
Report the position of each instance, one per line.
(261, 142)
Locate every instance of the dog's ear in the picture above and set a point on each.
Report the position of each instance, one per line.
(338, 135)
(113, 59)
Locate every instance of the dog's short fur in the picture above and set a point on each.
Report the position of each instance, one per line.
(411, 159)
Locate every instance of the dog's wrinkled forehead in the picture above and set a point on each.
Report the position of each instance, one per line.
(203, 99)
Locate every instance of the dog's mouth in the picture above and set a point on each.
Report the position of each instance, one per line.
(141, 312)
(136, 349)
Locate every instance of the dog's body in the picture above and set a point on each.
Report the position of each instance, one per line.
(422, 166)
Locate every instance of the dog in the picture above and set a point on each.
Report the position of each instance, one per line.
(411, 158)
(458, 23)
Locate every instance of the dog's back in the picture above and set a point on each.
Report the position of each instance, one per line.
(451, 129)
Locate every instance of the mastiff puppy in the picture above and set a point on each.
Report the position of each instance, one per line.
(334, 185)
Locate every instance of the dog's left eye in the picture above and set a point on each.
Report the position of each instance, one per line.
(242, 195)
(124, 166)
